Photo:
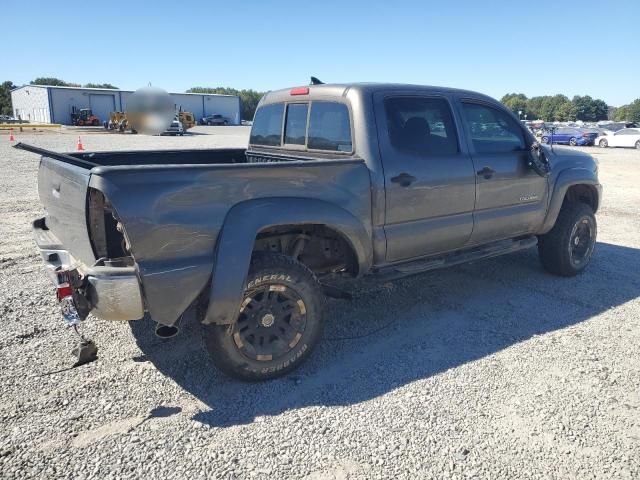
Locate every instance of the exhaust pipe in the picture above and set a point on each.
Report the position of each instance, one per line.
(165, 331)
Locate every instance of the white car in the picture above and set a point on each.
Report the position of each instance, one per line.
(627, 137)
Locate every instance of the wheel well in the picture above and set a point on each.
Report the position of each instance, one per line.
(322, 249)
(582, 194)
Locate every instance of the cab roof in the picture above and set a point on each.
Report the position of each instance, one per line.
(341, 90)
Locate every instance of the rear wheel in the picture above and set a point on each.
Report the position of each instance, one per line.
(567, 249)
(544, 139)
(603, 143)
(278, 325)
(638, 144)
(573, 142)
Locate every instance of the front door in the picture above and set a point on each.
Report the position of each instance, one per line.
(511, 199)
(429, 178)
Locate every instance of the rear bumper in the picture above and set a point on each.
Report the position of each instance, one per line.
(113, 292)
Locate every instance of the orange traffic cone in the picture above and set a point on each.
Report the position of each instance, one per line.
(11, 137)
(80, 147)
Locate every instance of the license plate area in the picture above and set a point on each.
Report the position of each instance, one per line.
(70, 291)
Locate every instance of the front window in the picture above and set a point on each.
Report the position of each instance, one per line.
(492, 130)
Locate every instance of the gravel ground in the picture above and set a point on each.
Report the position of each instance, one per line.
(488, 370)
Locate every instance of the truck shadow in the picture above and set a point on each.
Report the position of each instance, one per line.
(406, 331)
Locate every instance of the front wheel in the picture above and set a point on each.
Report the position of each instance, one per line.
(604, 144)
(573, 142)
(567, 249)
(638, 144)
(545, 140)
(278, 325)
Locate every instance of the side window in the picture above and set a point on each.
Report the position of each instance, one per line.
(493, 131)
(295, 128)
(329, 127)
(267, 125)
(421, 126)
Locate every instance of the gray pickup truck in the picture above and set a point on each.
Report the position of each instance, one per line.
(339, 183)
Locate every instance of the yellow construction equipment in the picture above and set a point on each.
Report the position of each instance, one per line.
(121, 121)
(187, 119)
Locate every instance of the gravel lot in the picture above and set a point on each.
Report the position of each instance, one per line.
(488, 370)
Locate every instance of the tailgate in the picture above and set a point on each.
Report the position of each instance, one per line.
(62, 188)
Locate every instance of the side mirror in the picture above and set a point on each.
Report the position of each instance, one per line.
(538, 161)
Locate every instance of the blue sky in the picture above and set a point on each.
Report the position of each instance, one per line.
(495, 47)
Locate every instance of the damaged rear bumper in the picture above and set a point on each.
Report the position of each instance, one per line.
(111, 288)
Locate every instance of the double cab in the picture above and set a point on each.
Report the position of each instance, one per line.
(339, 184)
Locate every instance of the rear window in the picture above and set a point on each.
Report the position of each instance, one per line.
(267, 125)
(329, 127)
(326, 127)
(295, 129)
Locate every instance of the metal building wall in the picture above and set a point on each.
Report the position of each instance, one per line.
(31, 103)
(54, 104)
(64, 99)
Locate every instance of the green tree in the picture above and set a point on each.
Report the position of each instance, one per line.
(100, 85)
(589, 109)
(566, 112)
(56, 82)
(516, 102)
(248, 98)
(629, 113)
(534, 106)
(5, 98)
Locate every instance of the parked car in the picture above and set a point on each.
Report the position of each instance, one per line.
(627, 137)
(569, 136)
(615, 126)
(338, 183)
(214, 120)
(176, 128)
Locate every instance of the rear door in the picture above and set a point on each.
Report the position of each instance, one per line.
(429, 177)
(625, 138)
(511, 198)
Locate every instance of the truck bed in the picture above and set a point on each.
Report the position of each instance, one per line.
(172, 205)
(165, 157)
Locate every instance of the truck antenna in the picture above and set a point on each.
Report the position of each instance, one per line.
(316, 81)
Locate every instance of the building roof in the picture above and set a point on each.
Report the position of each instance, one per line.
(117, 90)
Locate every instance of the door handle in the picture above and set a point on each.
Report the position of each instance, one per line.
(486, 172)
(404, 179)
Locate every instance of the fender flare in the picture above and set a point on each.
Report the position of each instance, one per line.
(236, 241)
(567, 179)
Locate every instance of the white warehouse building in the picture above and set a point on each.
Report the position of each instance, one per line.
(48, 104)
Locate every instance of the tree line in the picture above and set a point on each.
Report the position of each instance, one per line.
(547, 107)
(629, 112)
(248, 98)
(557, 107)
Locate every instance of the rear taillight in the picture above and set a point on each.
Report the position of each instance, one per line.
(299, 91)
(63, 285)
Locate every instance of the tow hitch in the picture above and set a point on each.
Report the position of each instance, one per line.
(71, 293)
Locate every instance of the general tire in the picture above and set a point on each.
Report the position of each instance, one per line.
(565, 251)
(273, 280)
